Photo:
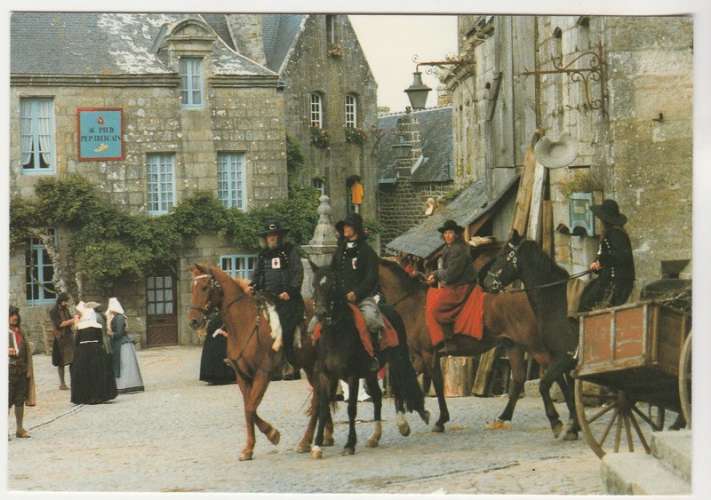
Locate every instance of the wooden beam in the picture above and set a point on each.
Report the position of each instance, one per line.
(547, 229)
(525, 185)
(535, 211)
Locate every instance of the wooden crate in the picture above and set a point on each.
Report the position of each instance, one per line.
(632, 337)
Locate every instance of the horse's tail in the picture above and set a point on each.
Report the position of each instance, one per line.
(402, 374)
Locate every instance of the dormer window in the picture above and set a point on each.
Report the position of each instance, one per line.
(191, 81)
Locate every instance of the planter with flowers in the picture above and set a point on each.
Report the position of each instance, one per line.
(335, 50)
(355, 135)
(319, 138)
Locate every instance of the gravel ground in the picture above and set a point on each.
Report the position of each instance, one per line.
(181, 435)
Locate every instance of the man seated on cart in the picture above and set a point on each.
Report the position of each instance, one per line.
(614, 264)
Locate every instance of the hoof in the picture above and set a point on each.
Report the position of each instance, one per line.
(246, 455)
(372, 443)
(425, 416)
(570, 436)
(274, 436)
(328, 441)
(316, 452)
(498, 425)
(348, 451)
(303, 447)
(557, 428)
(404, 428)
(438, 427)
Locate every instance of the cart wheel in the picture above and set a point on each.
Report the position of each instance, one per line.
(685, 380)
(618, 417)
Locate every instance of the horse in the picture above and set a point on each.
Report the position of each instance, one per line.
(341, 355)
(508, 321)
(545, 286)
(249, 349)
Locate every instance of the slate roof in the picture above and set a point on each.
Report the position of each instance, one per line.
(436, 135)
(279, 33)
(95, 43)
(218, 22)
(424, 239)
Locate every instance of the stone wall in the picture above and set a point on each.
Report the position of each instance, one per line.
(311, 69)
(402, 206)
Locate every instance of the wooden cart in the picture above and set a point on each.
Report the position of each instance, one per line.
(634, 364)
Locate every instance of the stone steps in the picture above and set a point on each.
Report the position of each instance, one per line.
(667, 471)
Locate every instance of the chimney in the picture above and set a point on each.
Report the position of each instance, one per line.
(409, 148)
(246, 31)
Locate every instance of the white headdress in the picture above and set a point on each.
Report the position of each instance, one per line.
(112, 310)
(88, 317)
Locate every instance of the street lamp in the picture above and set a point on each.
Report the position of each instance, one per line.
(417, 92)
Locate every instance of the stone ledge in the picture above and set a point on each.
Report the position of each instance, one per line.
(673, 448)
(628, 473)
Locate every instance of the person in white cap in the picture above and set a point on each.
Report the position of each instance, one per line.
(123, 353)
(92, 378)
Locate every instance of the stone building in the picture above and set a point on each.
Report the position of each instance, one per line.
(187, 113)
(627, 106)
(414, 164)
(329, 93)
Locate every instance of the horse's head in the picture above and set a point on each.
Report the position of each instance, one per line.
(324, 295)
(206, 294)
(504, 269)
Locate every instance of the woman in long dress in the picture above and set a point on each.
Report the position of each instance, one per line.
(92, 379)
(213, 369)
(125, 361)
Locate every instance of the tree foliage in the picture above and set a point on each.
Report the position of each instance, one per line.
(109, 245)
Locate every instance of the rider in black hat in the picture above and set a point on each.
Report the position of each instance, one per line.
(355, 266)
(614, 263)
(279, 271)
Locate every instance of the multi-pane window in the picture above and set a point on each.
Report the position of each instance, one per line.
(161, 183)
(316, 110)
(37, 135)
(351, 111)
(232, 180)
(191, 81)
(39, 272)
(238, 266)
(159, 295)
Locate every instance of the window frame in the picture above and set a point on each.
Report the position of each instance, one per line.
(34, 125)
(233, 201)
(353, 123)
(331, 37)
(159, 192)
(319, 122)
(244, 274)
(188, 78)
(39, 265)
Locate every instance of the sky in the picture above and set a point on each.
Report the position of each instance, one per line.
(390, 42)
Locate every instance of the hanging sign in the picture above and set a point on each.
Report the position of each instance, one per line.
(100, 134)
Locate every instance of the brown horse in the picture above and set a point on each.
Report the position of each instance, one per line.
(508, 320)
(250, 348)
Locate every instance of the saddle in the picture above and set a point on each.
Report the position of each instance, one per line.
(461, 307)
(388, 337)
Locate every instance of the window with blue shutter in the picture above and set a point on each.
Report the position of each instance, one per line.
(232, 180)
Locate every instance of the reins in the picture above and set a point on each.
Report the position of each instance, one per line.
(553, 283)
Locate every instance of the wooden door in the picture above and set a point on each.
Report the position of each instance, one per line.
(161, 311)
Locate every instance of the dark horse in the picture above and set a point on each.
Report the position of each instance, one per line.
(250, 348)
(508, 320)
(545, 284)
(341, 355)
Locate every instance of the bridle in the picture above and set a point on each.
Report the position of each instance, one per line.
(511, 259)
(214, 287)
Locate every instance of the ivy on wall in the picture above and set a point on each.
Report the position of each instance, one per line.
(106, 245)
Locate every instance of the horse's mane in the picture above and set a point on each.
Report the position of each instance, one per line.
(407, 282)
(541, 261)
(241, 283)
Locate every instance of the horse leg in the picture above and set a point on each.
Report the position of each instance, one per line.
(322, 388)
(518, 377)
(328, 429)
(571, 433)
(553, 372)
(353, 383)
(438, 381)
(246, 389)
(377, 396)
(256, 394)
(305, 443)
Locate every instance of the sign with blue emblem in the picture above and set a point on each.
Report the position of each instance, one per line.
(100, 134)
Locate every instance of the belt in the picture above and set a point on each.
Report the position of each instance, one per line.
(89, 341)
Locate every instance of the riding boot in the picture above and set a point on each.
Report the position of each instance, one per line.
(374, 364)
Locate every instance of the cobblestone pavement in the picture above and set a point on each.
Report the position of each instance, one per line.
(181, 435)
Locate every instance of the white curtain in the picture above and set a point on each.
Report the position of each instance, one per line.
(26, 130)
(45, 120)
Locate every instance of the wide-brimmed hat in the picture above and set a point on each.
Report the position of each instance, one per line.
(88, 317)
(556, 154)
(273, 227)
(609, 212)
(353, 220)
(451, 225)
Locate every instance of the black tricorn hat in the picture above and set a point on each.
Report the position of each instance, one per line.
(451, 225)
(609, 212)
(272, 227)
(353, 220)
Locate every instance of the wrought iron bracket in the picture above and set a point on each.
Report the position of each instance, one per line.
(595, 72)
(449, 61)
